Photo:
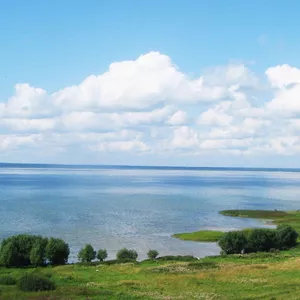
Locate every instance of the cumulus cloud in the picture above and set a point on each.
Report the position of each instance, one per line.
(149, 105)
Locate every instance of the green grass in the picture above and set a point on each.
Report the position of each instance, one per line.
(200, 236)
(255, 214)
(253, 276)
(250, 276)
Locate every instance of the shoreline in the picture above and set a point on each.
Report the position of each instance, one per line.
(268, 217)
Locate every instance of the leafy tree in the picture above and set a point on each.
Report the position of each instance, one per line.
(152, 254)
(125, 254)
(87, 253)
(38, 253)
(57, 251)
(15, 250)
(261, 240)
(102, 254)
(286, 236)
(233, 242)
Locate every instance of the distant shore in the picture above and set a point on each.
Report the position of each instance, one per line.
(276, 217)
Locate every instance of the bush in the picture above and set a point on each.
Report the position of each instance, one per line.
(286, 236)
(102, 254)
(233, 242)
(185, 258)
(260, 240)
(87, 254)
(126, 254)
(35, 283)
(152, 254)
(7, 280)
(57, 251)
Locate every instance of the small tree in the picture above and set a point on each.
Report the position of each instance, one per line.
(152, 254)
(102, 254)
(37, 253)
(261, 240)
(57, 251)
(233, 242)
(87, 253)
(286, 236)
(124, 254)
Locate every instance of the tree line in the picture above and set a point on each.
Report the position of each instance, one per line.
(259, 240)
(33, 250)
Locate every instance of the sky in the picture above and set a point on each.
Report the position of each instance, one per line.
(189, 83)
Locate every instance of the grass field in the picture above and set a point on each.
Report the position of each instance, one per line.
(249, 276)
(253, 276)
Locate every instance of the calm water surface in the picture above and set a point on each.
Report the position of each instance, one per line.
(136, 208)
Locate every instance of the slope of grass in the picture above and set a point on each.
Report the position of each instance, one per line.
(259, 276)
(200, 236)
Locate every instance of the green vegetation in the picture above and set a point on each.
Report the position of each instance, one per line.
(232, 277)
(102, 254)
(7, 280)
(152, 254)
(255, 214)
(200, 236)
(57, 251)
(87, 254)
(126, 254)
(35, 283)
(259, 275)
(233, 242)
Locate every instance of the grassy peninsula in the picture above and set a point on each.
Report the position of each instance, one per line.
(275, 217)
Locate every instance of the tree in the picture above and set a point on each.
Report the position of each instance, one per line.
(37, 253)
(125, 254)
(102, 254)
(261, 240)
(152, 254)
(87, 253)
(9, 255)
(15, 251)
(57, 251)
(233, 242)
(286, 236)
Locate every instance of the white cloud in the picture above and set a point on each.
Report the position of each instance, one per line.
(148, 105)
(178, 118)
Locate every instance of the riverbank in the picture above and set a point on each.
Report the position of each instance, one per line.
(274, 217)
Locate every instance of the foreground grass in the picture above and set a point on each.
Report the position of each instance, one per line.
(253, 276)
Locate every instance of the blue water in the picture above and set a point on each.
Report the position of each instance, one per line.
(140, 208)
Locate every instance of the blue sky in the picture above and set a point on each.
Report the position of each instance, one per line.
(190, 83)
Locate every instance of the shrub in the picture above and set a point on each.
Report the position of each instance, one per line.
(126, 254)
(152, 254)
(233, 242)
(87, 254)
(15, 250)
(102, 254)
(286, 236)
(261, 240)
(57, 251)
(35, 283)
(7, 280)
(185, 258)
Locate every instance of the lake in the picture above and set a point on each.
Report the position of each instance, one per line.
(114, 207)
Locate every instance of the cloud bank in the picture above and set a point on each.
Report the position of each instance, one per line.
(149, 107)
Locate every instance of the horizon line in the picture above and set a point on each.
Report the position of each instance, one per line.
(166, 167)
